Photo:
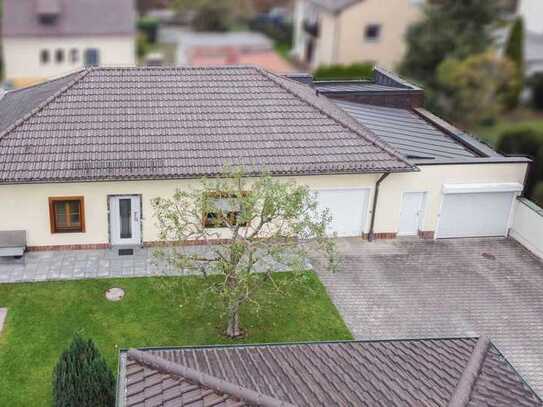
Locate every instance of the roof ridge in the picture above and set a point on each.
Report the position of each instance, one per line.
(206, 380)
(78, 76)
(371, 137)
(462, 393)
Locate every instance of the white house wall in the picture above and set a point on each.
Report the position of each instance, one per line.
(22, 55)
(26, 206)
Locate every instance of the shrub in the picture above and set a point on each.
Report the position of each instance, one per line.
(279, 31)
(82, 378)
(353, 71)
(149, 26)
(525, 141)
(476, 88)
(536, 86)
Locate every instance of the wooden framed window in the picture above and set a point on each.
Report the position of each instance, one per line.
(227, 212)
(67, 214)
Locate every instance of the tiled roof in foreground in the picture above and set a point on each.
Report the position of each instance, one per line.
(465, 372)
(182, 122)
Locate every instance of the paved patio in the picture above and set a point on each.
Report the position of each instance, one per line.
(445, 288)
(78, 264)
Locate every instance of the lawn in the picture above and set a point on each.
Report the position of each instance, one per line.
(43, 316)
(491, 134)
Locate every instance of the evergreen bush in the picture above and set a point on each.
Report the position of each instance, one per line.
(82, 378)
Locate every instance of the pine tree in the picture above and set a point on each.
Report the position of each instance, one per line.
(514, 50)
(82, 378)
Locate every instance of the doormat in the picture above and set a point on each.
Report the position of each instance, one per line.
(126, 252)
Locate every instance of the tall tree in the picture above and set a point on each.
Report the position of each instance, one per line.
(514, 50)
(265, 225)
(450, 29)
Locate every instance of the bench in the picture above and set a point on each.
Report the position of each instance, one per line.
(12, 243)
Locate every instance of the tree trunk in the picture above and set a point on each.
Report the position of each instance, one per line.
(233, 330)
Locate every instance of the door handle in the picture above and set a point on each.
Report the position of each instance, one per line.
(136, 218)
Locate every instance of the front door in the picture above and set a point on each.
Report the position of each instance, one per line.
(125, 219)
(411, 214)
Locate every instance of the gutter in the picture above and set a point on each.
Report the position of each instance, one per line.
(374, 206)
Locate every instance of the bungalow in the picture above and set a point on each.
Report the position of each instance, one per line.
(82, 156)
(429, 372)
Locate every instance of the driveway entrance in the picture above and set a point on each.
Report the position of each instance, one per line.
(411, 288)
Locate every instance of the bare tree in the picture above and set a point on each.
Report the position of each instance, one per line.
(264, 225)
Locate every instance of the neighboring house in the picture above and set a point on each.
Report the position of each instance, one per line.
(82, 157)
(346, 31)
(43, 39)
(231, 48)
(531, 12)
(459, 372)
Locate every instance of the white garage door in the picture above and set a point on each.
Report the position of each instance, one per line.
(349, 210)
(475, 214)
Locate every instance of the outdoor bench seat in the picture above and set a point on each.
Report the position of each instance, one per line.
(12, 243)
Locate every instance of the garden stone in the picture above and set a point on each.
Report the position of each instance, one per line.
(115, 294)
(3, 315)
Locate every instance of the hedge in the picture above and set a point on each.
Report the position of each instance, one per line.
(353, 71)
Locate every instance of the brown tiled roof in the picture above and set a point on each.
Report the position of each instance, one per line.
(181, 122)
(74, 17)
(433, 372)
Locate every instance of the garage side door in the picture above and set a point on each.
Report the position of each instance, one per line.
(348, 207)
(475, 214)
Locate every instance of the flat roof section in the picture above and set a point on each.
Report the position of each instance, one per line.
(414, 137)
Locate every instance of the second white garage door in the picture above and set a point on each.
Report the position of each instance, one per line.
(475, 214)
(349, 210)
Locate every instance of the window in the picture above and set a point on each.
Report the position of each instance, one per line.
(74, 56)
(373, 32)
(67, 214)
(44, 56)
(59, 56)
(225, 210)
(92, 57)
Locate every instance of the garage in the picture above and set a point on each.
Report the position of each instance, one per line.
(477, 210)
(348, 207)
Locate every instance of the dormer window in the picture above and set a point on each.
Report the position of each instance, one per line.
(48, 11)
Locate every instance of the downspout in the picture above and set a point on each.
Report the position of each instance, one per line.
(374, 208)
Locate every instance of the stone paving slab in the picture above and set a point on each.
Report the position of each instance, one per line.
(444, 288)
(3, 316)
(90, 264)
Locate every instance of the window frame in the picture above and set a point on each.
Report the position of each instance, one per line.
(74, 55)
(52, 214)
(45, 56)
(368, 28)
(222, 225)
(60, 56)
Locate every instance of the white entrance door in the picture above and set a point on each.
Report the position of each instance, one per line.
(125, 220)
(411, 214)
(349, 210)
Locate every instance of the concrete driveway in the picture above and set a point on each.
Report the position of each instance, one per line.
(445, 288)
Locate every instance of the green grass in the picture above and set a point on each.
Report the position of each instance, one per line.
(283, 49)
(491, 134)
(42, 318)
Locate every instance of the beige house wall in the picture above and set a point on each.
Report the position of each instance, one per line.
(431, 179)
(346, 32)
(26, 206)
(22, 55)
